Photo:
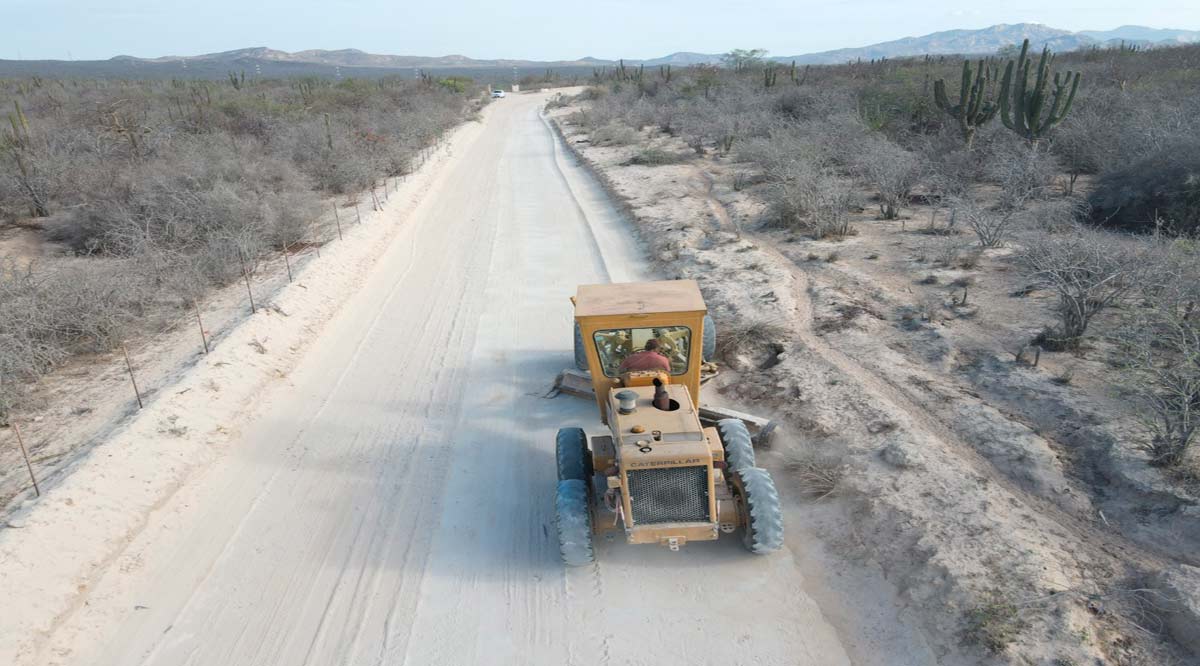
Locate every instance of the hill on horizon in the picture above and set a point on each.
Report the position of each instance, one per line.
(268, 62)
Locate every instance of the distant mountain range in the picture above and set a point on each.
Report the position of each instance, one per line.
(352, 62)
(996, 37)
(353, 58)
(986, 40)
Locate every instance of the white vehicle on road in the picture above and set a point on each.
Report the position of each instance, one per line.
(497, 94)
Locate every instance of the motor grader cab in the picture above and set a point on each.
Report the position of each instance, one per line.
(658, 475)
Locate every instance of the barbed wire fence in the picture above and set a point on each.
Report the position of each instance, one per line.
(257, 271)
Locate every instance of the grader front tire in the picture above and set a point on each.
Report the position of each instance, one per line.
(572, 454)
(739, 449)
(574, 523)
(763, 515)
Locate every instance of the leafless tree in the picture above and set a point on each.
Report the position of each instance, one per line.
(1089, 271)
(892, 171)
(1160, 354)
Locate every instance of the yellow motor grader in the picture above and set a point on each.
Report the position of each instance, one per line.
(659, 474)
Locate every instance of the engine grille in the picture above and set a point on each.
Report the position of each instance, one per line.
(669, 495)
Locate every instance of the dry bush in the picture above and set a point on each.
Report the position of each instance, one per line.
(1089, 271)
(995, 623)
(1159, 192)
(749, 336)
(817, 202)
(892, 171)
(1022, 174)
(991, 226)
(614, 134)
(659, 157)
(46, 315)
(948, 251)
(1059, 215)
(1160, 356)
(167, 187)
(817, 470)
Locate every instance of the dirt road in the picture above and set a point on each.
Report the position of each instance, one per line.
(391, 501)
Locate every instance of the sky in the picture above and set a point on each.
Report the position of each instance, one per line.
(534, 29)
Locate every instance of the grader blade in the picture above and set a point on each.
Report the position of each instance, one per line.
(579, 384)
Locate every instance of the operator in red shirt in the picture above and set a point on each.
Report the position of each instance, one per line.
(647, 359)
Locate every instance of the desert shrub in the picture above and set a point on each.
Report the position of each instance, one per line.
(891, 171)
(1159, 192)
(1022, 174)
(614, 134)
(1089, 271)
(591, 93)
(1160, 355)
(991, 227)
(831, 200)
(1058, 215)
(995, 623)
(659, 157)
(1081, 142)
(818, 470)
(168, 188)
(810, 200)
(47, 315)
(749, 336)
(558, 101)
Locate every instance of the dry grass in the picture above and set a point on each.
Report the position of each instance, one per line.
(817, 471)
(749, 336)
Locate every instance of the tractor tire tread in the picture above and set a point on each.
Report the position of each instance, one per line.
(764, 529)
(739, 446)
(572, 455)
(581, 361)
(708, 350)
(573, 521)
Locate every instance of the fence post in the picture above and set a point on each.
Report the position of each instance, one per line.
(199, 323)
(246, 277)
(287, 262)
(25, 455)
(337, 218)
(356, 213)
(132, 379)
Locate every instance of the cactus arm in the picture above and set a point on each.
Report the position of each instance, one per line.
(1070, 97)
(1006, 107)
(939, 95)
(965, 87)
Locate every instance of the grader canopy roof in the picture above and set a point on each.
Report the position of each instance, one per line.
(597, 300)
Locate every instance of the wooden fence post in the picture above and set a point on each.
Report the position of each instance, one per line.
(132, 379)
(25, 455)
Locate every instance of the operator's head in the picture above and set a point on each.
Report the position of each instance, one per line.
(652, 345)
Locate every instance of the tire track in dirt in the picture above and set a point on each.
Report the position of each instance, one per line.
(924, 421)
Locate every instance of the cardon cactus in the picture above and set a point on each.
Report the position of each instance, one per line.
(974, 108)
(1023, 109)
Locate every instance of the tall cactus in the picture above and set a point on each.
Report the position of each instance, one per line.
(1023, 109)
(974, 109)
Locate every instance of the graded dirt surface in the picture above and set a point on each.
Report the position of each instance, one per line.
(1002, 500)
(384, 494)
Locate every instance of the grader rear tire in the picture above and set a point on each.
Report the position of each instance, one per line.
(739, 449)
(571, 453)
(763, 529)
(574, 523)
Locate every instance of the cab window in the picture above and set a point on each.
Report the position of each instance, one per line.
(615, 345)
